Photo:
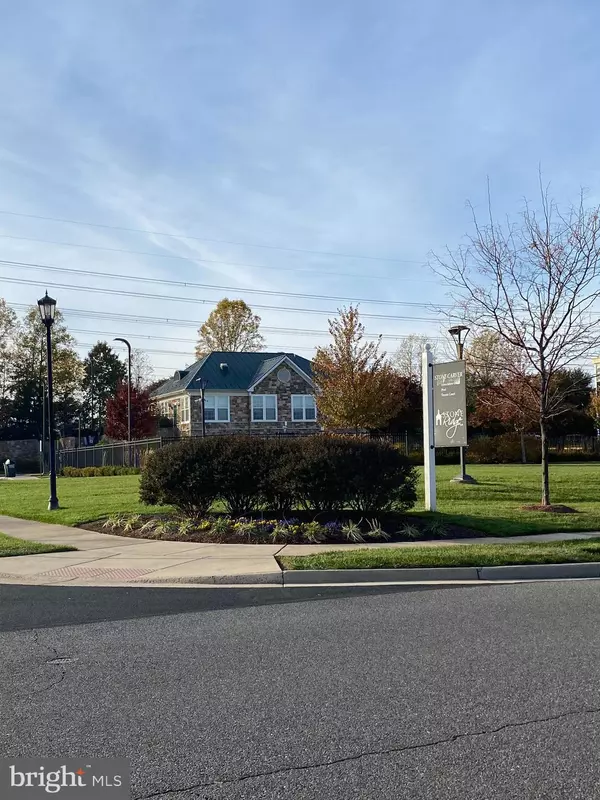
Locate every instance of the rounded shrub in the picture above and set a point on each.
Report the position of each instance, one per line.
(320, 475)
(279, 485)
(183, 474)
(240, 468)
(380, 478)
(334, 472)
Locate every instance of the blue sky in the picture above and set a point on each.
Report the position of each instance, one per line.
(349, 127)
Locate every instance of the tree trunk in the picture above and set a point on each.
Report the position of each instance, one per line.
(523, 448)
(545, 470)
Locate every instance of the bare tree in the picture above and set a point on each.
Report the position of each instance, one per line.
(534, 283)
(409, 355)
(142, 372)
(491, 360)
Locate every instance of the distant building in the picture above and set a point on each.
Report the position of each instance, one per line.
(244, 393)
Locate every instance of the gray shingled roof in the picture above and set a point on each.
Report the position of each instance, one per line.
(243, 370)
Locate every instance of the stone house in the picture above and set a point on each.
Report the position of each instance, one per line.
(243, 393)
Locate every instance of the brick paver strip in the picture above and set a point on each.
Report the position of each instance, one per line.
(95, 572)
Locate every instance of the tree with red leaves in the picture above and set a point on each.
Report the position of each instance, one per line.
(513, 403)
(143, 416)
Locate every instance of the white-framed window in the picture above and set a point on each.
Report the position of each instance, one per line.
(264, 408)
(304, 408)
(216, 408)
(185, 408)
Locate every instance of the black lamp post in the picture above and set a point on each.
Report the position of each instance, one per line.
(47, 307)
(203, 405)
(459, 334)
(119, 339)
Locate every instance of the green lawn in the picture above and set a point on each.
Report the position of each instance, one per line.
(475, 555)
(80, 499)
(493, 506)
(9, 546)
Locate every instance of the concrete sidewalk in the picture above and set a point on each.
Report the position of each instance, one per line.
(107, 560)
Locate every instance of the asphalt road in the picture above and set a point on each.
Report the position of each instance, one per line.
(482, 692)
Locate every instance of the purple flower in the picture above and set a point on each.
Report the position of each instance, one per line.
(333, 527)
(287, 523)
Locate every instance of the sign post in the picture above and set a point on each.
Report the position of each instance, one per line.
(428, 428)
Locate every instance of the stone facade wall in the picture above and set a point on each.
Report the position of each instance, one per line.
(240, 418)
(284, 392)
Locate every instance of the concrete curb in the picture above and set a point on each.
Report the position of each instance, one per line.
(525, 572)
(251, 578)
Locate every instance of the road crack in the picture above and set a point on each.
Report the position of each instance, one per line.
(56, 660)
(367, 754)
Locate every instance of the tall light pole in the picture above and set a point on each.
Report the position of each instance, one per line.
(459, 334)
(47, 308)
(119, 339)
(202, 405)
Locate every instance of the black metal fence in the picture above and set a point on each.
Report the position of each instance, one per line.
(132, 454)
(120, 454)
(574, 443)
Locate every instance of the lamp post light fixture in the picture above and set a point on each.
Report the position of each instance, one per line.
(459, 334)
(47, 308)
(119, 339)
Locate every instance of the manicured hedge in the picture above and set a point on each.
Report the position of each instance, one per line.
(504, 449)
(97, 472)
(316, 473)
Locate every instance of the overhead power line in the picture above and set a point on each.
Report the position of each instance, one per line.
(214, 241)
(285, 331)
(133, 319)
(175, 299)
(197, 260)
(206, 286)
(185, 354)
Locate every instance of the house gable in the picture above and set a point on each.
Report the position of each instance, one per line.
(273, 366)
(271, 384)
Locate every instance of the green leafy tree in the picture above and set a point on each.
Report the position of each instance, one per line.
(103, 370)
(231, 326)
(9, 329)
(28, 384)
(357, 388)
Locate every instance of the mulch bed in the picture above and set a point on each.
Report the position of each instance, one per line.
(391, 523)
(551, 509)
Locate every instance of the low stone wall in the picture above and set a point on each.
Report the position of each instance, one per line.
(24, 452)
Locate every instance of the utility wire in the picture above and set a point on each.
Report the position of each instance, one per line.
(175, 299)
(206, 286)
(285, 331)
(184, 353)
(194, 259)
(205, 239)
(135, 319)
